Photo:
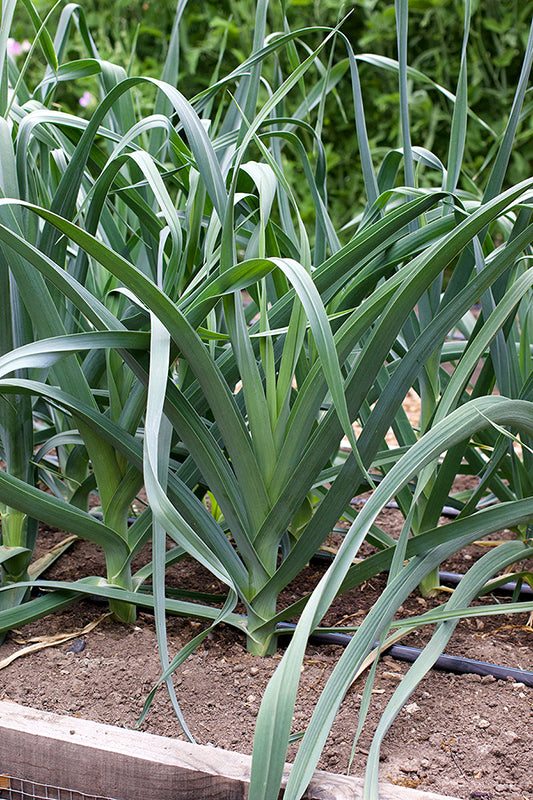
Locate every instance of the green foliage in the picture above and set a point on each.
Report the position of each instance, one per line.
(187, 313)
(498, 37)
(215, 37)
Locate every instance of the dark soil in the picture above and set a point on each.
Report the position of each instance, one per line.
(458, 735)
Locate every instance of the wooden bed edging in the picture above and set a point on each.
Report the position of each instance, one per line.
(130, 765)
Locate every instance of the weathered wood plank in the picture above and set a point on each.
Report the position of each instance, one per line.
(129, 765)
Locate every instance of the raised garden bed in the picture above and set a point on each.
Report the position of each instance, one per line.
(459, 735)
(91, 759)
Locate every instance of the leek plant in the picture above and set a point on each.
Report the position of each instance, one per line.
(176, 213)
(16, 419)
(503, 368)
(33, 165)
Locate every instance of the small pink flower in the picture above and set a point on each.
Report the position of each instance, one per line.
(25, 46)
(14, 48)
(86, 99)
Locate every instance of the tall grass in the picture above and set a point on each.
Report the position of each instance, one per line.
(176, 323)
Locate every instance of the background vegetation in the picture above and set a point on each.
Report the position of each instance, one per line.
(216, 36)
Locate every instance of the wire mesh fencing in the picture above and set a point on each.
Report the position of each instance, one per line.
(12, 788)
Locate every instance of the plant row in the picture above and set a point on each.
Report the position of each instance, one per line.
(170, 320)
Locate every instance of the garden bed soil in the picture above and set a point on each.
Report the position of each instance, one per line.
(461, 735)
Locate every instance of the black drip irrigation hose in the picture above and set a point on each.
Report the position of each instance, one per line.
(452, 579)
(444, 662)
(446, 511)
(99, 516)
(526, 592)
